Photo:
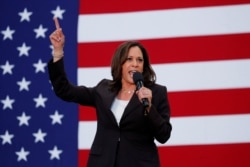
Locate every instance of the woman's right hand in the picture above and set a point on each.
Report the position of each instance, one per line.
(57, 39)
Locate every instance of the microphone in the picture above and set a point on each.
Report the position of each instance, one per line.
(138, 80)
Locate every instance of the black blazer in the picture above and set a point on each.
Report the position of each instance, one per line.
(129, 144)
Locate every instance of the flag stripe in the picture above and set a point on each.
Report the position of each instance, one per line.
(164, 23)
(215, 102)
(171, 50)
(229, 155)
(87, 113)
(83, 157)
(186, 76)
(195, 103)
(110, 6)
(194, 132)
(198, 128)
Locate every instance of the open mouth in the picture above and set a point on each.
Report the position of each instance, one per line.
(131, 73)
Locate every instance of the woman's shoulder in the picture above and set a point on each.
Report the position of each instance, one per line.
(104, 82)
(158, 87)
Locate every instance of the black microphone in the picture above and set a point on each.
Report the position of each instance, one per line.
(138, 80)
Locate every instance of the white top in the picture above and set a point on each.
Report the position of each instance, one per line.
(118, 108)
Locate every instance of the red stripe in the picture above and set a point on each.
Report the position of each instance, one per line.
(82, 158)
(87, 113)
(229, 155)
(214, 102)
(198, 103)
(112, 6)
(172, 50)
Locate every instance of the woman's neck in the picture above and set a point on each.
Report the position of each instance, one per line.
(126, 94)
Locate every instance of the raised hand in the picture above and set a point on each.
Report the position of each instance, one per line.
(57, 39)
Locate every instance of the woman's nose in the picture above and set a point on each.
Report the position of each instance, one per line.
(135, 62)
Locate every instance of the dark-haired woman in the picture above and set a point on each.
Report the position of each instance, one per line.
(126, 129)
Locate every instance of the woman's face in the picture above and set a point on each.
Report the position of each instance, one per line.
(134, 63)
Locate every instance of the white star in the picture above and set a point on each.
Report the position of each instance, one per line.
(7, 68)
(23, 119)
(39, 136)
(40, 66)
(22, 154)
(40, 31)
(23, 85)
(6, 137)
(56, 118)
(25, 15)
(23, 50)
(7, 103)
(58, 12)
(40, 101)
(7, 33)
(55, 153)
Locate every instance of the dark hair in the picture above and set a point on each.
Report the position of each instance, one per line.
(119, 58)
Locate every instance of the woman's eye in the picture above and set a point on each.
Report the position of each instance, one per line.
(129, 59)
(140, 60)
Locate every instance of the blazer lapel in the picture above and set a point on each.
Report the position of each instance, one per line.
(107, 101)
(132, 105)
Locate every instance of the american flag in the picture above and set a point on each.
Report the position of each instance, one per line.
(199, 49)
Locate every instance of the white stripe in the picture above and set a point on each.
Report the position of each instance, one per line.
(190, 130)
(186, 76)
(164, 23)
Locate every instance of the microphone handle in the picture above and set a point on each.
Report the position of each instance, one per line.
(144, 100)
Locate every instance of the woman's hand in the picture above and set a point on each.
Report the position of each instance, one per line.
(57, 39)
(144, 92)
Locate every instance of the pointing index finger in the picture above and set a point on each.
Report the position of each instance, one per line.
(57, 23)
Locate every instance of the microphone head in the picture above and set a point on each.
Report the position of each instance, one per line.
(137, 76)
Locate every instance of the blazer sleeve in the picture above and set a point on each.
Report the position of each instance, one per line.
(159, 115)
(64, 89)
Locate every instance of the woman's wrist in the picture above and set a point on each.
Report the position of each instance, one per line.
(58, 54)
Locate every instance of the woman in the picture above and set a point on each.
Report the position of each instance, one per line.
(126, 130)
